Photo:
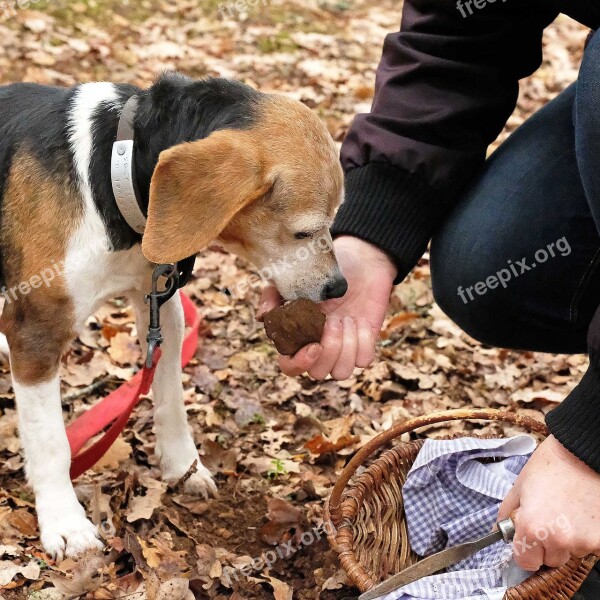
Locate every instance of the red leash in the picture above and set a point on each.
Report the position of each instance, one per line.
(116, 408)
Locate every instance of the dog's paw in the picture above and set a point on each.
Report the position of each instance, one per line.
(201, 483)
(69, 535)
(198, 483)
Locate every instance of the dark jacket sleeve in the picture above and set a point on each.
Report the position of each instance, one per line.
(445, 87)
(576, 420)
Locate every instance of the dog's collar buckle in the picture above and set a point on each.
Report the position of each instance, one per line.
(122, 170)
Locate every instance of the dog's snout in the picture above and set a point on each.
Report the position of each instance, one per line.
(336, 288)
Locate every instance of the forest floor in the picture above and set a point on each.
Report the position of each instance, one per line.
(274, 444)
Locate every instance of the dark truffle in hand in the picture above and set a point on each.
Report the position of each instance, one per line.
(294, 325)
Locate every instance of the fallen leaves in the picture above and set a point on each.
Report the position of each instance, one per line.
(143, 506)
(174, 589)
(219, 460)
(283, 522)
(25, 522)
(118, 453)
(281, 590)
(124, 349)
(162, 559)
(8, 570)
(338, 437)
(78, 578)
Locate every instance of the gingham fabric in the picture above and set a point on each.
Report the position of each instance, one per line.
(452, 495)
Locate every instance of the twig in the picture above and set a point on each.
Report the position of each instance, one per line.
(88, 389)
(179, 484)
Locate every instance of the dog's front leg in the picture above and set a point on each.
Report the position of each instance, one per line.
(174, 442)
(64, 529)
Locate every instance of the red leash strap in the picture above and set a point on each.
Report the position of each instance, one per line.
(117, 407)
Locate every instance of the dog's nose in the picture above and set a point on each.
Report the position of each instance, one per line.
(336, 288)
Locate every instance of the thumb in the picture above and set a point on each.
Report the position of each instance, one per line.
(270, 299)
(511, 504)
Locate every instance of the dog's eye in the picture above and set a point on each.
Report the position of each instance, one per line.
(302, 235)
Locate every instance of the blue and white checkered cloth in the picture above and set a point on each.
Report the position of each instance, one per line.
(452, 495)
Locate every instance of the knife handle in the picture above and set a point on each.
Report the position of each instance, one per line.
(507, 529)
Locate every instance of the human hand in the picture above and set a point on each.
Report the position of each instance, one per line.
(353, 321)
(555, 504)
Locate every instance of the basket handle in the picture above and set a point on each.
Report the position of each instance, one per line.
(485, 414)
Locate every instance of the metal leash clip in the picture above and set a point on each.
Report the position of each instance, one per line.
(156, 298)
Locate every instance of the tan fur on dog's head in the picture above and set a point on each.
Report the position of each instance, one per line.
(267, 193)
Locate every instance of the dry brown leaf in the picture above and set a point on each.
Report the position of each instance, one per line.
(8, 570)
(6, 550)
(80, 375)
(218, 460)
(544, 396)
(173, 589)
(119, 452)
(124, 349)
(208, 564)
(337, 581)
(165, 562)
(283, 520)
(281, 590)
(397, 322)
(338, 437)
(321, 445)
(25, 522)
(143, 507)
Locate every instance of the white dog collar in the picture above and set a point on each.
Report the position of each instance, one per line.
(122, 169)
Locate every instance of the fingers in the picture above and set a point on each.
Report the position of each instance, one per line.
(331, 341)
(302, 361)
(528, 552)
(365, 353)
(318, 363)
(344, 366)
(539, 543)
(346, 343)
(317, 360)
(270, 299)
(528, 555)
(556, 557)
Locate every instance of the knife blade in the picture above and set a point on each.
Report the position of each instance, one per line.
(441, 560)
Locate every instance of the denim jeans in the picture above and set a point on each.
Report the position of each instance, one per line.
(517, 262)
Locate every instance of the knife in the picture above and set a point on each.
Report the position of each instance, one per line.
(441, 560)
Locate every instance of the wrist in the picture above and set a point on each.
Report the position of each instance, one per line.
(378, 259)
(566, 456)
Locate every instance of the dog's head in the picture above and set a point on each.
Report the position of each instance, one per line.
(267, 192)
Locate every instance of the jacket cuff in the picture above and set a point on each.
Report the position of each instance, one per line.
(392, 209)
(575, 423)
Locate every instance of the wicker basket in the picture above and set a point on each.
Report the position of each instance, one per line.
(369, 528)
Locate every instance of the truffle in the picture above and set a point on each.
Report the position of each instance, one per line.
(294, 325)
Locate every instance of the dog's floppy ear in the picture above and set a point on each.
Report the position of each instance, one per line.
(197, 188)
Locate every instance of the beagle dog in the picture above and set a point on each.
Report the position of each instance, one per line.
(215, 161)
